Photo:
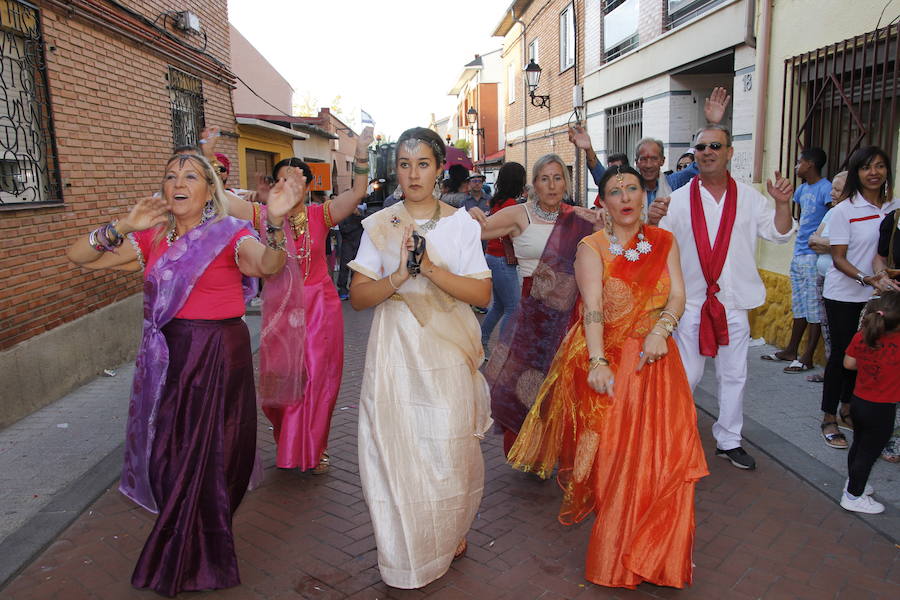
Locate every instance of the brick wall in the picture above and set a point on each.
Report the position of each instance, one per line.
(542, 22)
(113, 133)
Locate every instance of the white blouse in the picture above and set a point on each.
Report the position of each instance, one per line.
(456, 238)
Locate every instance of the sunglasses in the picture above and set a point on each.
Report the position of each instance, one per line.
(712, 146)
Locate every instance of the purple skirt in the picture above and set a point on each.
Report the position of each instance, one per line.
(202, 457)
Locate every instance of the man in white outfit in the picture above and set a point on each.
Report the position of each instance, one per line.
(717, 222)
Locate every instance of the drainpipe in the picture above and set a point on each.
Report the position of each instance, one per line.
(763, 48)
(516, 19)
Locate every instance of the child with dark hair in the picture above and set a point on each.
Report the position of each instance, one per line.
(814, 198)
(874, 352)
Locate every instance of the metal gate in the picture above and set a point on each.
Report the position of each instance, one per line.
(841, 97)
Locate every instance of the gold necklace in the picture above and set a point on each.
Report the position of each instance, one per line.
(300, 226)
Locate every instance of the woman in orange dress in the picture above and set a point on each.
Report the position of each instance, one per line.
(616, 411)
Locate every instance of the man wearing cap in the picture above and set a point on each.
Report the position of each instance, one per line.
(476, 195)
(222, 166)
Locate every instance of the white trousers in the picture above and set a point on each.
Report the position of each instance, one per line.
(731, 370)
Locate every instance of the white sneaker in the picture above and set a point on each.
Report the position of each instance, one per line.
(866, 492)
(863, 504)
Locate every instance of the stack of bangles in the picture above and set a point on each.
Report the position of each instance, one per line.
(105, 238)
(272, 237)
(358, 170)
(668, 321)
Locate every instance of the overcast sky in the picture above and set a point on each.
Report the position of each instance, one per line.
(396, 59)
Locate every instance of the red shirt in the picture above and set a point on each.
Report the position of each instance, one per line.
(218, 293)
(495, 246)
(878, 376)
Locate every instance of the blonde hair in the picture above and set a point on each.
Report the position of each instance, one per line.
(218, 201)
(539, 166)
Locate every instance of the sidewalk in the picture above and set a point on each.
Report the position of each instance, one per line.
(768, 533)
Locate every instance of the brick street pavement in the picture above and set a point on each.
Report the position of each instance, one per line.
(763, 534)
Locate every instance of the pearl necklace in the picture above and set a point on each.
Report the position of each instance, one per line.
(632, 254)
(545, 215)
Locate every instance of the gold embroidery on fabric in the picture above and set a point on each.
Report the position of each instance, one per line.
(585, 451)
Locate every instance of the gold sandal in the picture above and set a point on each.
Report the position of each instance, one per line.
(323, 466)
(461, 549)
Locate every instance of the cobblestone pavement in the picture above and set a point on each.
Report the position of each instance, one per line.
(762, 534)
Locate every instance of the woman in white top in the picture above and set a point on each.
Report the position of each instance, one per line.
(818, 242)
(545, 234)
(424, 403)
(849, 283)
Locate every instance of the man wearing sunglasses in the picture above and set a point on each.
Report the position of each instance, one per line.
(717, 222)
(650, 156)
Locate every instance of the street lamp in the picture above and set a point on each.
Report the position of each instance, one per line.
(471, 119)
(533, 76)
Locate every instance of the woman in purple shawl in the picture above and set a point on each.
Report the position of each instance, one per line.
(191, 435)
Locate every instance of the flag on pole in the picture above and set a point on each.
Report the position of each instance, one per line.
(366, 118)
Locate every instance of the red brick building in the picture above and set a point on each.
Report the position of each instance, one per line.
(546, 33)
(95, 95)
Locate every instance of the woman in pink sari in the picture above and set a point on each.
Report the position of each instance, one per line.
(300, 373)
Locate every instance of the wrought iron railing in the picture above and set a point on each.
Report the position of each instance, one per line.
(29, 172)
(841, 97)
(186, 97)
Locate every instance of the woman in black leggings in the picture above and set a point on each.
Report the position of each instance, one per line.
(849, 283)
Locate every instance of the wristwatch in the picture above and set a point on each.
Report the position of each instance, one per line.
(861, 279)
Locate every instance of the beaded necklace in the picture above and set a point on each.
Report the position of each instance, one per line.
(632, 254)
(209, 212)
(545, 215)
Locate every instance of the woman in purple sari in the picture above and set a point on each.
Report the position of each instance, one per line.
(191, 436)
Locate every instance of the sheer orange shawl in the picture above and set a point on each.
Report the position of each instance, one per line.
(564, 422)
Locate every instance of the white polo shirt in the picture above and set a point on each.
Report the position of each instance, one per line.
(740, 284)
(854, 224)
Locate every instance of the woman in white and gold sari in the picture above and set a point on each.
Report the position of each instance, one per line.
(424, 405)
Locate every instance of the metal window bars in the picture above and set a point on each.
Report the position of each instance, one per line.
(186, 97)
(624, 127)
(841, 97)
(29, 170)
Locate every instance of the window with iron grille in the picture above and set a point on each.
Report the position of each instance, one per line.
(186, 97)
(620, 27)
(29, 172)
(681, 11)
(842, 97)
(624, 127)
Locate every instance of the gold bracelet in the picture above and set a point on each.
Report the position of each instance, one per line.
(659, 333)
(671, 314)
(597, 361)
(666, 324)
(391, 281)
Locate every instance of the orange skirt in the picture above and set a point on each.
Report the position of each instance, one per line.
(648, 461)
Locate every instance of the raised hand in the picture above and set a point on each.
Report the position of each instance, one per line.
(364, 141)
(287, 193)
(263, 185)
(209, 137)
(782, 190)
(715, 105)
(146, 214)
(579, 137)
